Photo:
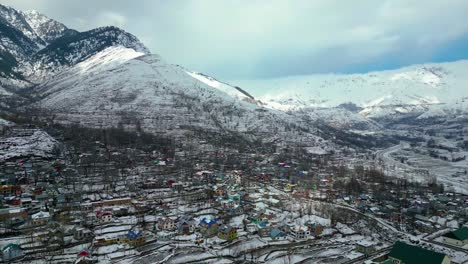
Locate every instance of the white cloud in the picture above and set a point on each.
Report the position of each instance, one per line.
(245, 38)
(108, 18)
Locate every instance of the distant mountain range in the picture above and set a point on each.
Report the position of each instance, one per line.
(423, 90)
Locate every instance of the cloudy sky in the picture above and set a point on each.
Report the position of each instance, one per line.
(246, 39)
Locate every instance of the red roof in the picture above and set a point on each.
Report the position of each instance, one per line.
(83, 253)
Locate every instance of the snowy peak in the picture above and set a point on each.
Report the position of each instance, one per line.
(71, 49)
(17, 20)
(34, 47)
(47, 29)
(431, 76)
(413, 88)
(37, 27)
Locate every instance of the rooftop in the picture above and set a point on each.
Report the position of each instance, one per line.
(459, 234)
(415, 255)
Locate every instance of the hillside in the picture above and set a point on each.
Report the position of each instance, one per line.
(122, 87)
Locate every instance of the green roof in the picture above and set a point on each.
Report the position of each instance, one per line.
(459, 234)
(415, 255)
(388, 261)
(11, 245)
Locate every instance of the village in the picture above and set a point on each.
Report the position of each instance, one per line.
(96, 202)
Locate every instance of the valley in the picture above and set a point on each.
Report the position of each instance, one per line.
(111, 154)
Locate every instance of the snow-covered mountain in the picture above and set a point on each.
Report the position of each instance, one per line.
(48, 30)
(106, 77)
(33, 46)
(122, 87)
(414, 89)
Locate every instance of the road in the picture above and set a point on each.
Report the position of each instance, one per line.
(398, 167)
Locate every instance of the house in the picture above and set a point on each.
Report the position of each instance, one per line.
(84, 257)
(276, 234)
(258, 219)
(178, 186)
(227, 233)
(104, 217)
(106, 240)
(220, 191)
(185, 225)
(11, 251)
(365, 247)
(166, 223)
(208, 227)
(134, 238)
(82, 233)
(403, 253)
(250, 227)
(13, 213)
(84, 253)
(264, 231)
(40, 218)
(458, 238)
(297, 231)
(316, 229)
(289, 187)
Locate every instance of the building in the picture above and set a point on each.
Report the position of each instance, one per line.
(11, 251)
(10, 213)
(104, 217)
(316, 229)
(276, 234)
(166, 223)
(227, 233)
(82, 233)
(185, 225)
(403, 253)
(40, 218)
(134, 238)
(365, 247)
(297, 231)
(209, 227)
(84, 257)
(458, 238)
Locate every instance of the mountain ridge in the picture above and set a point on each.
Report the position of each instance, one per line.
(33, 46)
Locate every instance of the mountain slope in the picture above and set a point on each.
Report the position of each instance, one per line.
(71, 49)
(122, 87)
(233, 91)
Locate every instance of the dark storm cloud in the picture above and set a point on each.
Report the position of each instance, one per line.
(270, 38)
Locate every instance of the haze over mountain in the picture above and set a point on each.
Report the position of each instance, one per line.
(255, 39)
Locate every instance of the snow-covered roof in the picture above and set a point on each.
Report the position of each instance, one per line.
(40, 215)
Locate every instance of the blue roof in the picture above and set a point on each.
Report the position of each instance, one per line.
(209, 222)
(132, 235)
(275, 232)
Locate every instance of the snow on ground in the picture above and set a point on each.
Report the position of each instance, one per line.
(344, 229)
(313, 219)
(31, 142)
(5, 123)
